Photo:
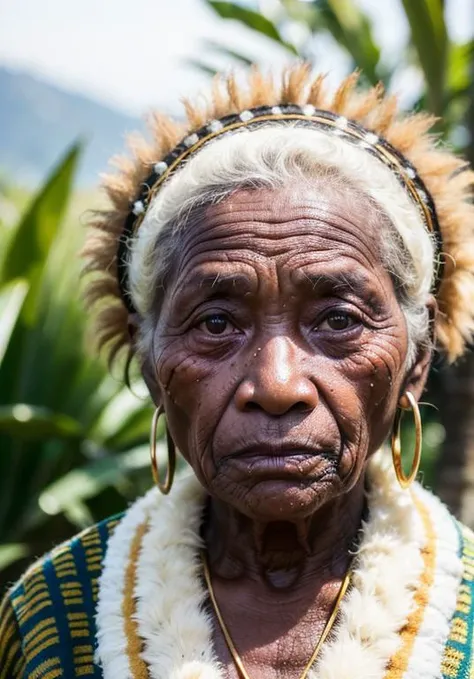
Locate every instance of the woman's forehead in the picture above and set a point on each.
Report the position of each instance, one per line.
(297, 227)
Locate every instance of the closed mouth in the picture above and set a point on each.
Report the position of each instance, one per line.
(282, 462)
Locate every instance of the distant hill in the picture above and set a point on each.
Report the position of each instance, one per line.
(38, 121)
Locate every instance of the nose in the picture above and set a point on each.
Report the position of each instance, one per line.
(277, 382)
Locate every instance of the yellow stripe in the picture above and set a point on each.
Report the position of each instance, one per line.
(42, 647)
(50, 664)
(77, 616)
(32, 589)
(86, 648)
(8, 621)
(46, 622)
(63, 556)
(70, 585)
(73, 601)
(7, 634)
(94, 551)
(399, 662)
(14, 648)
(66, 572)
(40, 637)
(134, 645)
(42, 596)
(26, 614)
(87, 669)
(52, 674)
(78, 624)
(76, 591)
(91, 540)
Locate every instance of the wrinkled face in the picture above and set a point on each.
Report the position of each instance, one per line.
(280, 349)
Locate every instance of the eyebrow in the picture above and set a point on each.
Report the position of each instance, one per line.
(342, 283)
(215, 284)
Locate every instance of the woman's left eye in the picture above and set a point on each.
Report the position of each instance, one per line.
(338, 321)
(216, 324)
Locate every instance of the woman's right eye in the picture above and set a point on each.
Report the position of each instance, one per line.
(216, 324)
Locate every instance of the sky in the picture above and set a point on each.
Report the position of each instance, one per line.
(133, 54)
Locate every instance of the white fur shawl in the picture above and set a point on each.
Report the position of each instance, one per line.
(393, 623)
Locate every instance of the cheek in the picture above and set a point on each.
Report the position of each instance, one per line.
(195, 392)
(376, 373)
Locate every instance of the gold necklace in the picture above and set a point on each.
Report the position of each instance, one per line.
(233, 651)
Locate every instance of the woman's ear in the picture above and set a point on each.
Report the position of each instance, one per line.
(147, 366)
(415, 380)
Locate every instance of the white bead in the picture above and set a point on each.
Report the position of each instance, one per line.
(245, 116)
(160, 167)
(191, 140)
(276, 110)
(341, 122)
(308, 110)
(215, 126)
(371, 138)
(410, 172)
(423, 196)
(138, 208)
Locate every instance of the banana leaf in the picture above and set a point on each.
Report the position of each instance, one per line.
(430, 40)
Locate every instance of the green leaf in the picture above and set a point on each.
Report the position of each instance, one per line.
(202, 66)
(82, 484)
(254, 20)
(12, 297)
(12, 552)
(34, 235)
(214, 46)
(430, 39)
(460, 59)
(352, 29)
(32, 422)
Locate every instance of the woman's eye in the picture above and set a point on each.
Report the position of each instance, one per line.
(217, 324)
(337, 321)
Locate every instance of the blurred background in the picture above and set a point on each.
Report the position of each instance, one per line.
(75, 78)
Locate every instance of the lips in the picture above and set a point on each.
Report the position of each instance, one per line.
(282, 461)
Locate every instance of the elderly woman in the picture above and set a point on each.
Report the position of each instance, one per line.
(286, 265)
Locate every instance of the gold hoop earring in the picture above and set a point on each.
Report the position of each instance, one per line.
(166, 486)
(406, 480)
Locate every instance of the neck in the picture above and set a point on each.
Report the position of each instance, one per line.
(283, 553)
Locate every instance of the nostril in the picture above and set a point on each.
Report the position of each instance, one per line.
(301, 407)
(252, 405)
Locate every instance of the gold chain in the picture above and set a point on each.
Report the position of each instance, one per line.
(236, 657)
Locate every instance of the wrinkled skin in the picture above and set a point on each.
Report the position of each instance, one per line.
(279, 356)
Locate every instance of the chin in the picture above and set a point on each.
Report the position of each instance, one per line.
(286, 499)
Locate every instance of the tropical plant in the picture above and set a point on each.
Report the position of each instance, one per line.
(72, 437)
(446, 89)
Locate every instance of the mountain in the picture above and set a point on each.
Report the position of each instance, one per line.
(38, 121)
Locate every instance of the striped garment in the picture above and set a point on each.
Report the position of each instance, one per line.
(47, 622)
(94, 606)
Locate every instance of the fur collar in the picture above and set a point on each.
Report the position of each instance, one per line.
(393, 622)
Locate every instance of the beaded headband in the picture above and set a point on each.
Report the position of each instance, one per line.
(252, 118)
